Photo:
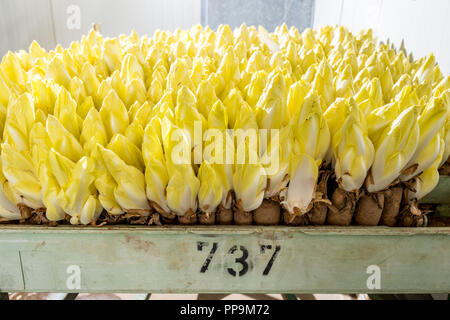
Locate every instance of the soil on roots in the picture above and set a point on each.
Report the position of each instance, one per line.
(412, 217)
(369, 209)
(318, 215)
(242, 217)
(445, 169)
(268, 214)
(392, 203)
(290, 219)
(189, 218)
(342, 209)
(224, 216)
(207, 218)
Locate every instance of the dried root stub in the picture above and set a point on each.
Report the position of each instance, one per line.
(268, 214)
(392, 203)
(224, 216)
(343, 206)
(445, 169)
(25, 211)
(139, 217)
(107, 218)
(189, 218)
(34, 217)
(155, 219)
(412, 217)
(163, 217)
(369, 209)
(242, 217)
(318, 214)
(207, 218)
(296, 220)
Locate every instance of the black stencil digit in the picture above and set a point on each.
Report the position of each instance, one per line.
(210, 256)
(264, 247)
(272, 259)
(242, 261)
(231, 270)
(200, 245)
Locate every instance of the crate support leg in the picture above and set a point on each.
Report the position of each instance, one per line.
(71, 296)
(143, 296)
(289, 296)
(62, 296)
(4, 296)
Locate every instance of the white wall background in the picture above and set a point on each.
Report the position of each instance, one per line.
(22, 21)
(423, 24)
(119, 16)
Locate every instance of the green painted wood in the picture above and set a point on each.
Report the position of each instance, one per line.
(4, 296)
(441, 194)
(174, 259)
(289, 296)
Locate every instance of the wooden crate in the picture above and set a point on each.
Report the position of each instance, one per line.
(232, 259)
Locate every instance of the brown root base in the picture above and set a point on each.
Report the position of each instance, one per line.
(411, 217)
(369, 210)
(268, 214)
(138, 217)
(7, 221)
(438, 222)
(133, 217)
(138, 220)
(392, 203)
(242, 218)
(318, 214)
(340, 214)
(445, 169)
(168, 218)
(342, 209)
(107, 218)
(295, 220)
(25, 211)
(207, 218)
(188, 219)
(155, 219)
(39, 219)
(224, 216)
(35, 217)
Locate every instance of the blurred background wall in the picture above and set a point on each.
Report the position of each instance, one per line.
(423, 24)
(56, 21)
(269, 14)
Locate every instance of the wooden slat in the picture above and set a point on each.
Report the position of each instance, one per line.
(171, 259)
